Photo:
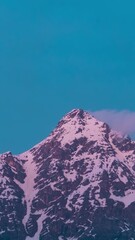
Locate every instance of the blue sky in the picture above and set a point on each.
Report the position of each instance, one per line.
(60, 55)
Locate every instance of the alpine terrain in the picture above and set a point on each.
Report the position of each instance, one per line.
(78, 184)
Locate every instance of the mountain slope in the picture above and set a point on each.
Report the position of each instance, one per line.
(79, 183)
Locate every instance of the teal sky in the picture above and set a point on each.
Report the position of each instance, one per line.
(60, 55)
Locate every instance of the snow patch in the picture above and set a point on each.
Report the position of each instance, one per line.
(127, 199)
(70, 176)
(28, 186)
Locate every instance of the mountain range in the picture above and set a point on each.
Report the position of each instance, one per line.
(77, 184)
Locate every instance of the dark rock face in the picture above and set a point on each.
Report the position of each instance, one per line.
(12, 210)
(79, 183)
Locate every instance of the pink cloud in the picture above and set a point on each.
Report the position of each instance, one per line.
(123, 121)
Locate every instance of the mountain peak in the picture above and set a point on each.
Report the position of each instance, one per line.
(76, 124)
(80, 113)
(79, 124)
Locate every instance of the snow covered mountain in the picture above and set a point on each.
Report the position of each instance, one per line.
(79, 183)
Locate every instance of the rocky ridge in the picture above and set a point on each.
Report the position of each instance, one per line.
(79, 183)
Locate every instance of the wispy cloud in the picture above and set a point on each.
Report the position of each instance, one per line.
(123, 121)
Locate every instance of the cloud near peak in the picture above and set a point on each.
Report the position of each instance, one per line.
(123, 121)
